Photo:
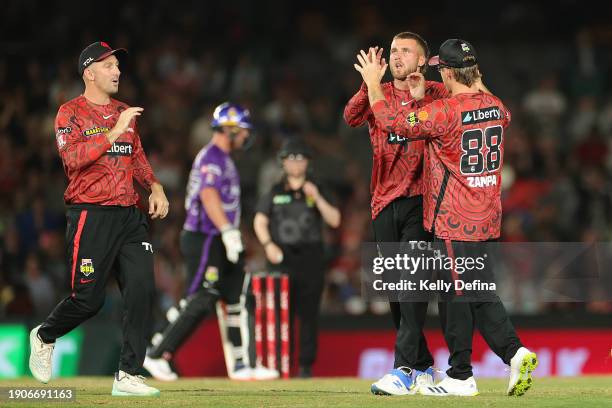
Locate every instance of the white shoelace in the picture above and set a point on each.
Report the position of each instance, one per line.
(138, 379)
(45, 351)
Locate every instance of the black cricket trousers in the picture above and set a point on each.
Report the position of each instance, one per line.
(462, 311)
(104, 241)
(306, 269)
(402, 221)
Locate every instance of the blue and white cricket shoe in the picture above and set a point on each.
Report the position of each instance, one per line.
(397, 382)
(424, 378)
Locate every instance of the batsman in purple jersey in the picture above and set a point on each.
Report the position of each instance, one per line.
(214, 168)
(211, 245)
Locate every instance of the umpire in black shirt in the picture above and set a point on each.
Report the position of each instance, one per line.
(288, 223)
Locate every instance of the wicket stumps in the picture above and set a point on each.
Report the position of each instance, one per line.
(272, 303)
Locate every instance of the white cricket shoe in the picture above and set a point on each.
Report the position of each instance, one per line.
(41, 355)
(521, 366)
(452, 387)
(159, 369)
(242, 374)
(127, 385)
(261, 373)
(397, 382)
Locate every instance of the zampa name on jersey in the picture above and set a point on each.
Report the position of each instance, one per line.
(120, 149)
(480, 115)
(482, 181)
(96, 130)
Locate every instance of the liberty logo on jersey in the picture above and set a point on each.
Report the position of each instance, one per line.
(87, 267)
(480, 115)
(396, 139)
(120, 149)
(392, 139)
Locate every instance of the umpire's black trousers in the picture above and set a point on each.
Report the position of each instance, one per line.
(102, 240)
(402, 221)
(306, 269)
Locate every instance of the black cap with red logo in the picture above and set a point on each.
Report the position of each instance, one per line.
(455, 53)
(96, 52)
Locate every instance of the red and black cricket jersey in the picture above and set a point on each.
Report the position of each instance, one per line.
(98, 172)
(463, 161)
(397, 166)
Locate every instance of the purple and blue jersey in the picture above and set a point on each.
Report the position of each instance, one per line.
(214, 168)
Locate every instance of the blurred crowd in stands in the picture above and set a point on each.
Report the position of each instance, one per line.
(292, 65)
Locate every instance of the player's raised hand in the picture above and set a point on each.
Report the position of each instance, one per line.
(378, 52)
(311, 190)
(371, 69)
(416, 83)
(125, 118)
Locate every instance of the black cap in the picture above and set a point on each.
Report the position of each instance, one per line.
(96, 52)
(294, 146)
(455, 53)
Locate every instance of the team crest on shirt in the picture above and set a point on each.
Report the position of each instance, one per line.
(61, 141)
(412, 119)
(60, 135)
(87, 267)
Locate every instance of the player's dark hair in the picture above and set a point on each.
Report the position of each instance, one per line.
(408, 35)
(466, 76)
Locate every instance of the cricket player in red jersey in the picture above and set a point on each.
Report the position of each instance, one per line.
(462, 200)
(397, 202)
(98, 142)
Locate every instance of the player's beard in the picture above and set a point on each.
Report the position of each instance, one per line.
(403, 72)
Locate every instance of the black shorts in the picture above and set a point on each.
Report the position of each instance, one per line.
(207, 266)
(103, 240)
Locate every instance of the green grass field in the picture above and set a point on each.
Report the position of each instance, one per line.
(328, 393)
